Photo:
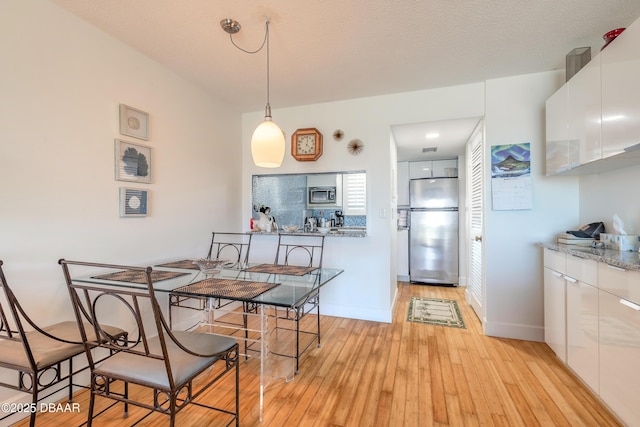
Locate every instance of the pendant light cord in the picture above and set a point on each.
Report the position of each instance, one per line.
(265, 41)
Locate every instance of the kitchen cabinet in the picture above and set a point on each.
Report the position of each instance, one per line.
(583, 114)
(423, 169)
(619, 324)
(582, 318)
(557, 132)
(621, 92)
(445, 168)
(602, 113)
(554, 302)
(403, 183)
(402, 259)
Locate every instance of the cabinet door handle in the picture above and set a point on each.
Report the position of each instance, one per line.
(629, 304)
(555, 273)
(613, 267)
(570, 279)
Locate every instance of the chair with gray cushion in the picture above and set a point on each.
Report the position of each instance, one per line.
(176, 366)
(42, 356)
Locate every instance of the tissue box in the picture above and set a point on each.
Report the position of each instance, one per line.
(619, 242)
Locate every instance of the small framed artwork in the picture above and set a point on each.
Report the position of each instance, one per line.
(133, 162)
(133, 202)
(134, 122)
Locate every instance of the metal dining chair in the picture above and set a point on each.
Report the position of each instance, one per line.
(305, 251)
(232, 246)
(177, 366)
(40, 354)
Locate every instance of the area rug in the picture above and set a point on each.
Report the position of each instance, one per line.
(435, 311)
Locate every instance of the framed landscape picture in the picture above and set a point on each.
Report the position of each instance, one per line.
(133, 162)
(133, 202)
(134, 122)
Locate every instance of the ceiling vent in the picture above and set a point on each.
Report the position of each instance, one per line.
(429, 149)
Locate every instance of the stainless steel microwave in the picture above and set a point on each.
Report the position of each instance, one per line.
(322, 196)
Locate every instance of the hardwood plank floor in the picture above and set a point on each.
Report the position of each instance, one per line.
(399, 374)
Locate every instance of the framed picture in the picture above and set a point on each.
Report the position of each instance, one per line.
(134, 122)
(133, 202)
(133, 162)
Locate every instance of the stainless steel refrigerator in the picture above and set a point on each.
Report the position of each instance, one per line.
(433, 231)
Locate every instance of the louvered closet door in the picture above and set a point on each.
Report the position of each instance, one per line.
(475, 291)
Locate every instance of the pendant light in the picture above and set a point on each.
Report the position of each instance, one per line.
(267, 141)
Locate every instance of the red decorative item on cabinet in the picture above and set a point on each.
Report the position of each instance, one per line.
(611, 35)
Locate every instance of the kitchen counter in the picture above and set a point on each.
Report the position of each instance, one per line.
(341, 232)
(626, 260)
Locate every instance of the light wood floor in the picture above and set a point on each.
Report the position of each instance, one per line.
(400, 374)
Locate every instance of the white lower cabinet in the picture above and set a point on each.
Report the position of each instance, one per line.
(592, 323)
(582, 331)
(619, 325)
(582, 318)
(554, 320)
(554, 303)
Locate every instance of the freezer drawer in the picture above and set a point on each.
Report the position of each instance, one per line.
(433, 247)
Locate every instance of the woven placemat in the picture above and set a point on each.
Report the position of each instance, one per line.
(186, 264)
(139, 277)
(291, 270)
(226, 288)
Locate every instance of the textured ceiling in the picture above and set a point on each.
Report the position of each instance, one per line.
(330, 50)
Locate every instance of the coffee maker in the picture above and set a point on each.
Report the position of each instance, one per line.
(339, 219)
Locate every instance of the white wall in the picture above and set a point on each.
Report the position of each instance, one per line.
(513, 262)
(367, 288)
(603, 195)
(61, 83)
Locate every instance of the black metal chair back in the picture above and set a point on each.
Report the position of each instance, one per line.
(302, 250)
(229, 245)
(153, 356)
(36, 352)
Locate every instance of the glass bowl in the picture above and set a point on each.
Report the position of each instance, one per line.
(290, 228)
(210, 266)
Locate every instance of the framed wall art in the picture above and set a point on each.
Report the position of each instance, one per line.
(133, 162)
(134, 122)
(134, 202)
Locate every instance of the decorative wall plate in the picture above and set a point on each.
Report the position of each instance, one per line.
(355, 147)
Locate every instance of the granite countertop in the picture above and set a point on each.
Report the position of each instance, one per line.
(343, 232)
(626, 260)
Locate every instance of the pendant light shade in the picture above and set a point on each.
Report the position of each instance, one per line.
(267, 145)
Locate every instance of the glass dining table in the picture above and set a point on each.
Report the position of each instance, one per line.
(261, 305)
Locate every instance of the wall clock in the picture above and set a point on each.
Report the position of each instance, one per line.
(306, 145)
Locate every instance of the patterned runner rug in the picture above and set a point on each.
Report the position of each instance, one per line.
(435, 311)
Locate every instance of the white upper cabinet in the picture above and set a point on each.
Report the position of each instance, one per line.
(602, 112)
(445, 168)
(557, 132)
(422, 169)
(621, 92)
(583, 112)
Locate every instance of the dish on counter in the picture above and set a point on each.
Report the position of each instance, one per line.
(324, 230)
(290, 228)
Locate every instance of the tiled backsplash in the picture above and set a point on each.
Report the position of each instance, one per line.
(286, 195)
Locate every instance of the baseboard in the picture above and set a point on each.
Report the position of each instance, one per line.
(514, 331)
(349, 312)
